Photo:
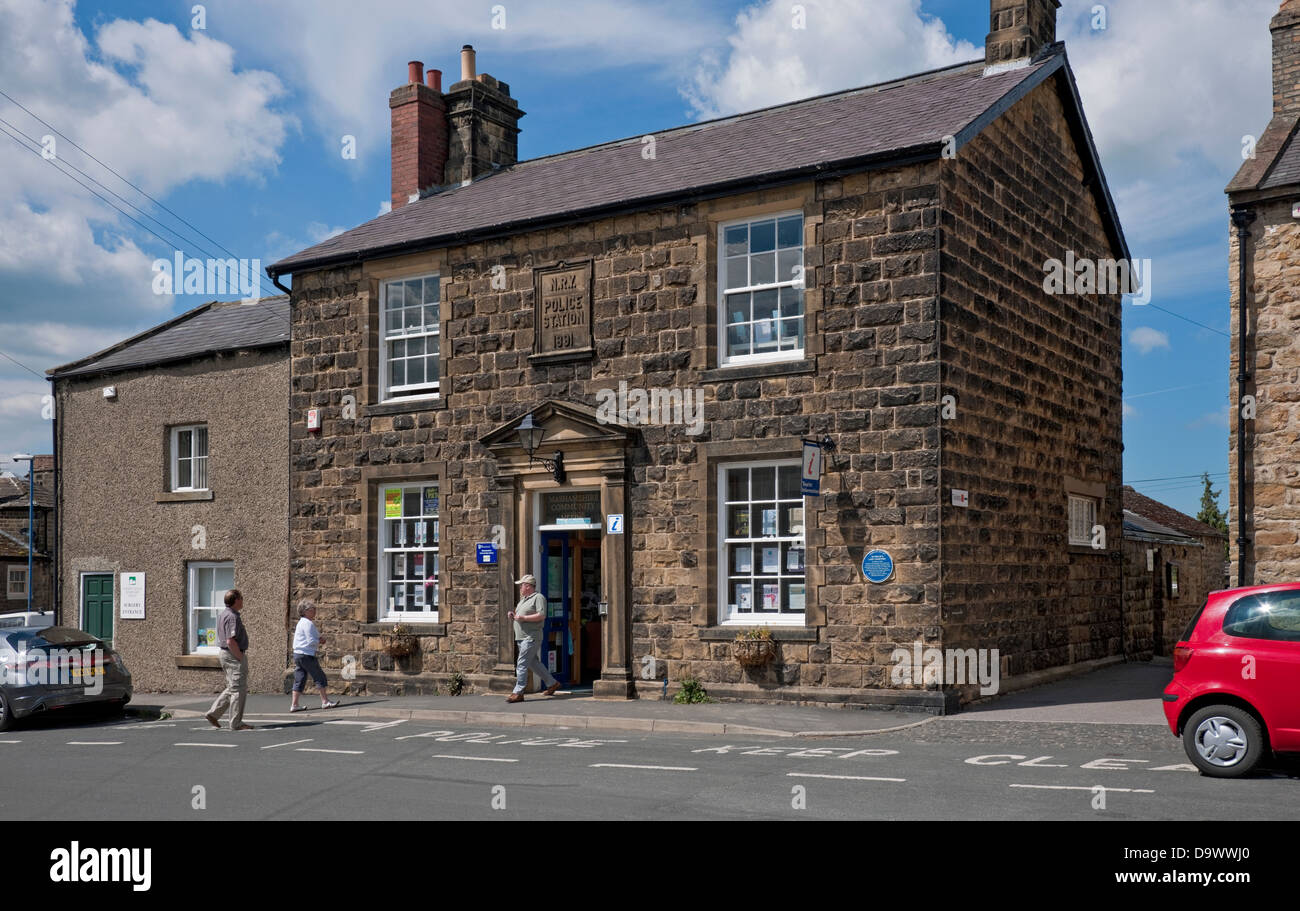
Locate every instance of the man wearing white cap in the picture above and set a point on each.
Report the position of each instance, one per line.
(528, 616)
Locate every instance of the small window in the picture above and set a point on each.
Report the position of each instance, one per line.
(16, 587)
(761, 557)
(408, 551)
(1171, 581)
(1274, 616)
(189, 458)
(760, 290)
(208, 584)
(409, 330)
(1083, 516)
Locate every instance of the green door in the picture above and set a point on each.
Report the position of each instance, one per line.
(97, 605)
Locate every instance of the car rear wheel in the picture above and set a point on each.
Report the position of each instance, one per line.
(1224, 741)
(6, 714)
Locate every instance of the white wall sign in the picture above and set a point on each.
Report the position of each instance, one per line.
(960, 497)
(615, 523)
(132, 589)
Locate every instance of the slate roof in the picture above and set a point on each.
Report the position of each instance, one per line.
(1136, 526)
(13, 493)
(207, 329)
(1277, 159)
(1167, 516)
(887, 122)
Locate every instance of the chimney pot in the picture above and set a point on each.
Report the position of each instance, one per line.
(434, 79)
(415, 71)
(467, 63)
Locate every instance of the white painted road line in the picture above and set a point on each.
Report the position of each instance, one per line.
(224, 746)
(840, 777)
(472, 758)
(653, 768)
(1064, 787)
(10, 741)
(94, 743)
(314, 750)
(287, 743)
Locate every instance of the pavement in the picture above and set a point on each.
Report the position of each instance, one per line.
(1119, 694)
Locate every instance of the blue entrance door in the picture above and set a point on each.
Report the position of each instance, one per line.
(557, 586)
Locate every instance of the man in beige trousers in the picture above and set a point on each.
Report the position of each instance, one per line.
(234, 661)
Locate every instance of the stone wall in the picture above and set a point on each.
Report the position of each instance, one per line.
(870, 379)
(1144, 605)
(1037, 383)
(1272, 495)
(118, 516)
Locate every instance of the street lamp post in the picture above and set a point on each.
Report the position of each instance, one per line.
(31, 517)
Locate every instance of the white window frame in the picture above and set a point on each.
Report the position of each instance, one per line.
(418, 390)
(193, 457)
(191, 591)
(726, 617)
(1078, 501)
(791, 354)
(14, 592)
(385, 547)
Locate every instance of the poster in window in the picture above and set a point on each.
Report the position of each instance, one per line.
(421, 532)
(796, 597)
(418, 596)
(771, 598)
(418, 561)
(401, 534)
(401, 597)
(794, 520)
(794, 560)
(431, 500)
(771, 559)
(769, 523)
(399, 566)
(744, 559)
(741, 523)
(393, 503)
(744, 600)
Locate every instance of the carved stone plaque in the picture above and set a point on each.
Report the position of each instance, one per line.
(562, 311)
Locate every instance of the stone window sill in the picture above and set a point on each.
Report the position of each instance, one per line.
(780, 634)
(381, 409)
(416, 628)
(184, 496)
(1089, 550)
(561, 357)
(198, 661)
(758, 371)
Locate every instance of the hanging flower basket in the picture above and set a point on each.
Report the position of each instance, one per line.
(754, 649)
(400, 643)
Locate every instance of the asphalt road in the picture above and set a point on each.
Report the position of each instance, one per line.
(318, 768)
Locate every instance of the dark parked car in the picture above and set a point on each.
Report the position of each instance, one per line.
(43, 668)
(1235, 696)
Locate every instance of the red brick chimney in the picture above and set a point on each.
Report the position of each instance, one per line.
(1286, 59)
(1018, 29)
(419, 134)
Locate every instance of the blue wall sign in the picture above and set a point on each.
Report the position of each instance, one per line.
(877, 566)
(487, 553)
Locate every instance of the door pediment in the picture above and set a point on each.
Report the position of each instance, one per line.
(565, 424)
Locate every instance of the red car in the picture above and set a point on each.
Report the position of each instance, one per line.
(1235, 696)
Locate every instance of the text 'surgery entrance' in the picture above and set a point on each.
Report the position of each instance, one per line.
(570, 580)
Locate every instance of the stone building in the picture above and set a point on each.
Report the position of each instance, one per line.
(1171, 564)
(865, 268)
(173, 453)
(1264, 197)
(16, 514)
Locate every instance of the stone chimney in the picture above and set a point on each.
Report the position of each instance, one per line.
(483, 123)
(419, 150)
(1019, 29)
(43, 471)
(1286, 59)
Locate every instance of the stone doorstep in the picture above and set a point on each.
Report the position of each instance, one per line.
(582, 722)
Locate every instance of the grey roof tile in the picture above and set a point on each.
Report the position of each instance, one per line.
(212, 327)
(818, 133)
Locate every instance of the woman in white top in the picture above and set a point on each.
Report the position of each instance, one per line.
(306, 640)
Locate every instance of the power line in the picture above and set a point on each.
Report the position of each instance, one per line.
(24, 366)
(1143, 395)
(117, 175)
(1185, 319)
(1181, 477)
(68, 164)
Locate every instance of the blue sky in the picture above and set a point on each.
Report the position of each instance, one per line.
(238, 128)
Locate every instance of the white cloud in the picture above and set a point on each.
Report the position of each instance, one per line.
(384, 207)
(1220, 419)
(1147, 340)
(1129, 411)
(844, 44)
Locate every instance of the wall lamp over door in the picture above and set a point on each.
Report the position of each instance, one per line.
(530, 437)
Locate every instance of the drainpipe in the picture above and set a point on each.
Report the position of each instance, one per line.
(1242, 219)
(275, 280)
